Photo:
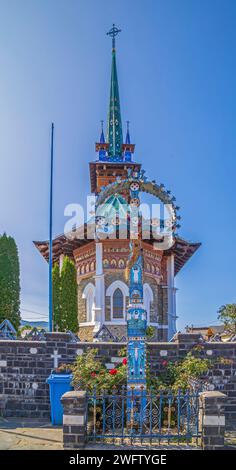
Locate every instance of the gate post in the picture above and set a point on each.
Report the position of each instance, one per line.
(74, 420)
(212, 419)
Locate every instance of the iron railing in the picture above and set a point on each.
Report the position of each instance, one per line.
(146, 416)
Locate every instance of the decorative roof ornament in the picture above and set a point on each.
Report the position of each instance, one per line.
(127, 139)
(102, 145)
(127, 150)
(102, 138)
(7, 330)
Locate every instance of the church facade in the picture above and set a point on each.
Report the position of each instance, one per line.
(103, 290)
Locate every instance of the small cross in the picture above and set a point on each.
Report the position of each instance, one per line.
(113, 33)
(55, 356)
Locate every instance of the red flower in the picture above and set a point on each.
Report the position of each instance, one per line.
(93, 374)
(164, 363)
(113, 371)
(124, 361)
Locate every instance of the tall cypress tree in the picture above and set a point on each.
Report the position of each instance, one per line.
(57, 317)
(69, 296)
(9, 281)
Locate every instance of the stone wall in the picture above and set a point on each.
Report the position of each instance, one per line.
(25, 366)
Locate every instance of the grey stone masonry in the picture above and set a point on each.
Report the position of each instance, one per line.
(25, 366)
(74, 419)
(212, 420)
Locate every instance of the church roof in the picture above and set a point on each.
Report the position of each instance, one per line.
(182, 250)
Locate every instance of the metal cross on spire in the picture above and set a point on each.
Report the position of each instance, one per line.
(113, 33)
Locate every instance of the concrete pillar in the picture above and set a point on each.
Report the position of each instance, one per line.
(74, 420)
(99, 288)
(212, 420)
(171, 297)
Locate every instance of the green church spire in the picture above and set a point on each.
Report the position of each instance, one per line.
(114, 124)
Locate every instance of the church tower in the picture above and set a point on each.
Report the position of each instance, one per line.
(114, 157)
(103, 290)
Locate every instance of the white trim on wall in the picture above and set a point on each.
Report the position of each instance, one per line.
(117, 285)
(147, 299)
(89, 296)
(87, 323)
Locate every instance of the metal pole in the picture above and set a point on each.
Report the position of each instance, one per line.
(50, 235)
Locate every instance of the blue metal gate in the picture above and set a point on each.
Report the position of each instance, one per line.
(148, 417)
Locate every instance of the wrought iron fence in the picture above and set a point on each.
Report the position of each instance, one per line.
(145, 416)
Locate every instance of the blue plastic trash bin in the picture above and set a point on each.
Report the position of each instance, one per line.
(58, 385)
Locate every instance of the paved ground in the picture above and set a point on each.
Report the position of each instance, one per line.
(33, 435)
(29, 435)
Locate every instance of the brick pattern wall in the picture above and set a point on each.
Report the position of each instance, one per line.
(25, 366)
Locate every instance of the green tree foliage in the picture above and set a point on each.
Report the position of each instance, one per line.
(9, 281)
(150, 331)
(57, 313)
(69, 296)
(227, 314)
(178, 375)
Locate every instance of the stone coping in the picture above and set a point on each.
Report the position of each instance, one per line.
(91, 343)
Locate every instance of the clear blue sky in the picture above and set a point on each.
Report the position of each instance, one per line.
(177, 75)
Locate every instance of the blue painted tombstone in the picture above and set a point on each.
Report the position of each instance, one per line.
(7, 330)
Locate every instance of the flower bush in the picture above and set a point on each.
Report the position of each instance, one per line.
(181, 375)
(89, 372)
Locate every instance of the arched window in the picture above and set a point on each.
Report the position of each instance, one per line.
(121, 263)
(118, 292)
(147, 299)
(118, 304)
(89, 296)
